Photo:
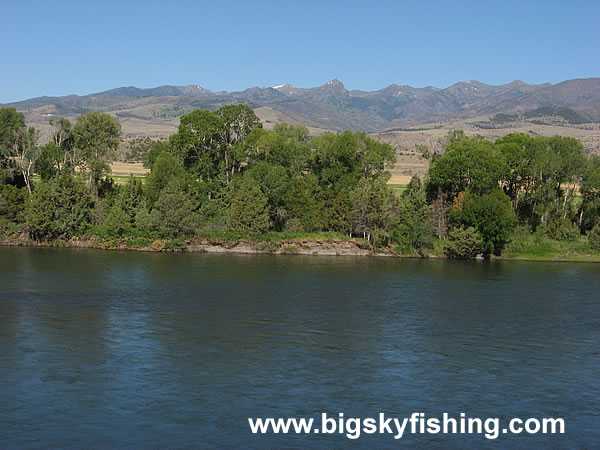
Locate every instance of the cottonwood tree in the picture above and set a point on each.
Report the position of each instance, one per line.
(469, 164)
(166, 168)
(11, 122)
(371, 207)
(238, 123)
(58, 154)
(491, 215)
(18, 146)
(96, 140)
(209, 143)
(26, 152)
(589, 210)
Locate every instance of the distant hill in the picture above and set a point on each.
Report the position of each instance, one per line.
(155, 111)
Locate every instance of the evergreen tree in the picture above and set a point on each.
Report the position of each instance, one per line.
(249, 211)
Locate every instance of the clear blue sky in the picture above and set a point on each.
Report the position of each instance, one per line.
(68, 47)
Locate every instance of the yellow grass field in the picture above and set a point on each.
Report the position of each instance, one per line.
(407, 166)
(401, 174)
(126, 169)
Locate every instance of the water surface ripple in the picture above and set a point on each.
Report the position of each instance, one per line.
(105, 349)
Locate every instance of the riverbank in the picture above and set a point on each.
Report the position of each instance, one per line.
(534, 248)
(538, 247)
(316, 246)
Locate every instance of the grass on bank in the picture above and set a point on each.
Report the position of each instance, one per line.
(523, 245)
(539, 247)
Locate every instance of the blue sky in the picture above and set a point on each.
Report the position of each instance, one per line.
(61, 48)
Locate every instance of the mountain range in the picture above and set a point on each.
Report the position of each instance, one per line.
(332, 107)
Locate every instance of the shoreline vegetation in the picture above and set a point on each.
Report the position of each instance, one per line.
(538, 248)
(224, 184)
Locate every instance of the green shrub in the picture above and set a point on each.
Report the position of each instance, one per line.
(562, 229)
(173, 213)
(117, 222)
(143, 219)
(12, 202)
(594, 236)
(139, 242)
(58, 208)
(492, 215)
(463, 243)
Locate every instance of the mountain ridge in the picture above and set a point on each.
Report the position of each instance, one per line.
(332, 106)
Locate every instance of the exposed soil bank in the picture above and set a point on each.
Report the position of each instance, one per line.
(323, 247)
(301, 246)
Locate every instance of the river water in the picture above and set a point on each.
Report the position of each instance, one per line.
(127, 349)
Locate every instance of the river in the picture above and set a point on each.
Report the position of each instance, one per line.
(128, 349)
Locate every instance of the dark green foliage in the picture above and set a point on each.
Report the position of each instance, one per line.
(557, 167)
(412, 230)
(173, 213)
(568, 114)
(165, 169)
(96, 140)
(11, 124)
(49, 162)
(239, 121)
(58, 154)
(491, 215)
(463, 243)
(371, 201)
(222, 172)
(197, 142)
(341, 160)
(518, 150)
(12, 203)
(469, 164)
(540, 175)
(143, 218)
(117, 222)
(589, 210)
(594, 236)
(341, 212)
(129, 197)
(288, 149)
(274, 182)
(58, 208)
(151, 156)
(562, 229)
(304, 204)
(211, 143)
(249, 212)
(293, 133)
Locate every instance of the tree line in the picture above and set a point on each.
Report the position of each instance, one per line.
(222, 171)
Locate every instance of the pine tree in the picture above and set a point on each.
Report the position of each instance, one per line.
(249, 212)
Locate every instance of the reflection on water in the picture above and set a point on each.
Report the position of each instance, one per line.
(130, 349)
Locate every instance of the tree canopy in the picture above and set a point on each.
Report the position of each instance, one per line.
(223, 171)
